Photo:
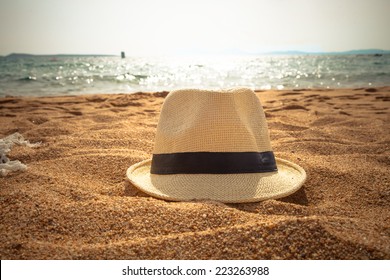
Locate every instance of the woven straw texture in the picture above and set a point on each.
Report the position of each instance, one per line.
(211, 121)
(215, 121)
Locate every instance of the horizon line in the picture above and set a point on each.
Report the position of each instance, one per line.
(222, 53)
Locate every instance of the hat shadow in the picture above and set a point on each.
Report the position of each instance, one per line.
(274, 207)
(131, 190)
(299, 198)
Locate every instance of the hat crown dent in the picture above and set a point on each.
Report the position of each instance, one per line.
(212, 121)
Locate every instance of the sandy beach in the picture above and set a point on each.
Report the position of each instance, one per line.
(74, 202)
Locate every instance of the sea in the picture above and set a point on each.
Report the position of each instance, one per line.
(75, 75)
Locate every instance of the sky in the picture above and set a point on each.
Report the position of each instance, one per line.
(166, 27)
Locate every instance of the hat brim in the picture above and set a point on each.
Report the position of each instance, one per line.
(228, 188)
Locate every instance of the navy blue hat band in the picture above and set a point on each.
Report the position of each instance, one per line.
(213, 163)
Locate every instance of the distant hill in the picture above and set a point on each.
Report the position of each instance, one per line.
(352, 52)
(368, 51)
(25, 55)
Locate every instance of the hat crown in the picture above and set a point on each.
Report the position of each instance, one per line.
(212, 121)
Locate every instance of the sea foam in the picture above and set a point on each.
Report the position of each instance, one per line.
(6, 144)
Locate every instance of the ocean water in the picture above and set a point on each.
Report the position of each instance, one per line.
(67, 75)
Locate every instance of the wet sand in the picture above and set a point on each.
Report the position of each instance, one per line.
(73, 201)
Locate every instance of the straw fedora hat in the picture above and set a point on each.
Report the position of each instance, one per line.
(214, 145)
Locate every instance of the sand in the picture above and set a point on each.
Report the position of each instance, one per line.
(73, 201)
